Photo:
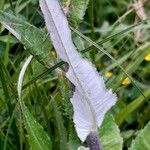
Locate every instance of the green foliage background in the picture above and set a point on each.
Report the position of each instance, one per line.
(45, 116)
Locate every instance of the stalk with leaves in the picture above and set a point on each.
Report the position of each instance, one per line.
(91, 100)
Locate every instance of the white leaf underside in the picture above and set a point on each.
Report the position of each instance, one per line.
(91, 100)
(21, 75)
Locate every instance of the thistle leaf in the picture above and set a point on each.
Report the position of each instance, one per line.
(76, 10)
(110, 134)
(37, 137)
(61, 131)
(74, 141)
(91, 100)
(142, 141)
(34, 40)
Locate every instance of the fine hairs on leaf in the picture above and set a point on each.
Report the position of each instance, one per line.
(141, 142)
(91, 100)
(37, 137)
(35, 41)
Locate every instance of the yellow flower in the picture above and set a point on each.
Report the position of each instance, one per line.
(108, 74)
(53, 53)
(115, 52)
(126, 81)
(147, 58)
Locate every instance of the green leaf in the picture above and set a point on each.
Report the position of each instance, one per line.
(2, 4)
(66, 94)
(121, 116)
(109, 55)
(110, 135)
(74, 141)
(37, 137)
(36, 41)
(142, 141)
(77, 10)
(59, 126)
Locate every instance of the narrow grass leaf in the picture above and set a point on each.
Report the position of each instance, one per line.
(121, 116)
(2, 4)
(110, 56)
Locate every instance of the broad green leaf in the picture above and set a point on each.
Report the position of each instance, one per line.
(59, 126)
(37, 137)
(110, 135)
(142, 141)
(66, 94)
(74, 141)
(35, 40)
(76, 10)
